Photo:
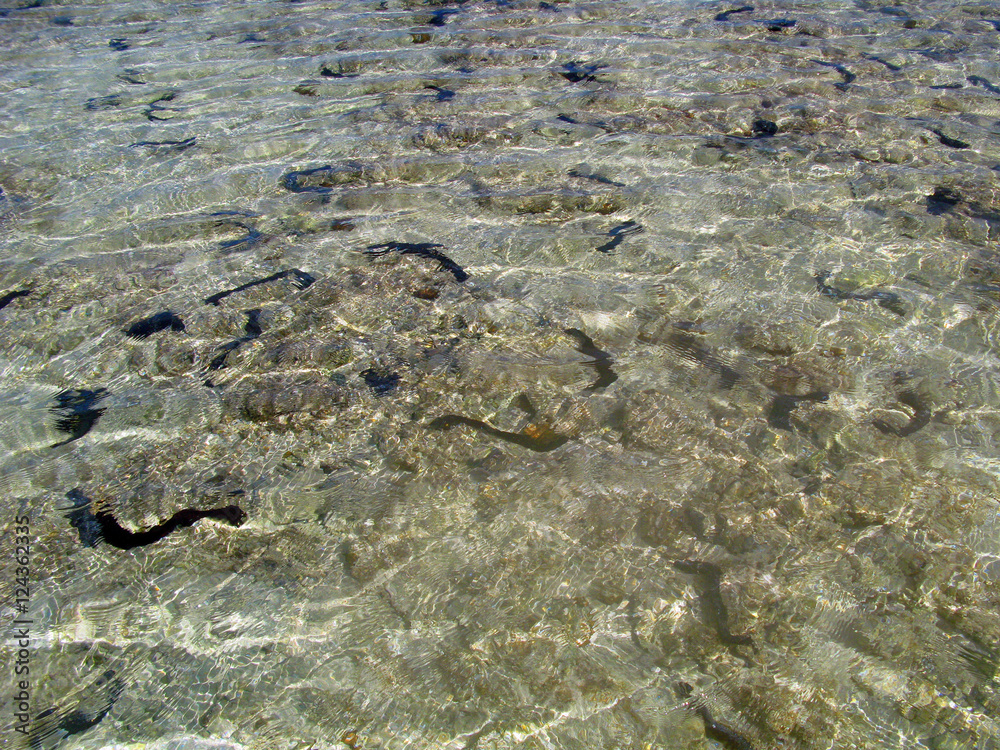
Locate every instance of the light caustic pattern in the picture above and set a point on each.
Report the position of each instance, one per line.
(503, 374)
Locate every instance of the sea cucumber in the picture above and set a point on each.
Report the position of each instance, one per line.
(131, 77)
(76, 412)
(722, 732)
(618, 234)
(328, 72)
(534, 437)
(601, 361)
(709, 577)
(154, 106)
(921, 416)
(886, 63)
(242, 244)
(687, 347)
(942, 200)
(595, 178)
(167, 145)
(947, 140)
(724, 16)
(888, 300)
(251, 328)
(780, 413)
(576, 72)
(11, 296)
(292, 180)
(300, 279)
(764, 128)
(980, 81)
(102, 526)
(103, 102)
(443, 95)
(440, 16)
(847, 75)
(780, 24)
(53, 720)
(380, 381)
(424, 250)
(593, 123)
(153, 324)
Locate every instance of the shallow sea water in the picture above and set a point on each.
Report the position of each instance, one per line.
(701, 454)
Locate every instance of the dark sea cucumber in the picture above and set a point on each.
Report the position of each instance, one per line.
(942, 200)
(293, 180)
(688, 348)
(77, 413)
(155, 106)
(980, 81)
(440, 16)
(534, 437)
(300, 279)
(764, 128)
(592, 123)
(723, 733)
(920, 418)
(724, 16)
(252, 330)
(595, 178)
(103, 527)
(131, 77)
(847, 75)
(780, 413)
(443, 95)
(601, 360)
(88, 713)
(380, 381)
(252, 326)
(422, 249)
(709, 579)
(219, 360)
(11, 296)
(98, 103)
(779, 24)
(889, 300)
(242, 244)
(166, 145)
(618, 234)
(948, 140)
(327, 72)
(886, 63)
(714, 729)
(154, 324)
(576, 72)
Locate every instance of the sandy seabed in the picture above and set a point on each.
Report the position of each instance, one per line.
(584, 374)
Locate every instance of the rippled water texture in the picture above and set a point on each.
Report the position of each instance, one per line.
(502, 374)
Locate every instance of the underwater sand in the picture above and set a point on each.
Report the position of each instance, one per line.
(665, 415)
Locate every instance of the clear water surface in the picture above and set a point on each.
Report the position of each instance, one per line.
(700, 454)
